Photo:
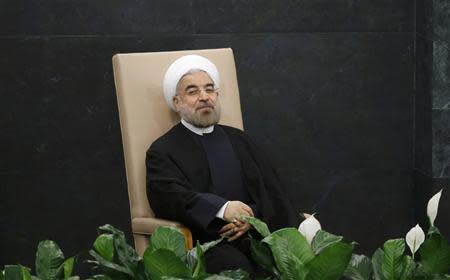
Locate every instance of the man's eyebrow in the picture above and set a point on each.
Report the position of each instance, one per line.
(190, 87)
(194, 86)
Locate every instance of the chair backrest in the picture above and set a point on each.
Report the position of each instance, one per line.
(145, 116)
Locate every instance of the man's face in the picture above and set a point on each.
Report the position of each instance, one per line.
(197, 100)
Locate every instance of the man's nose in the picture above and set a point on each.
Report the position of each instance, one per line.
(203, 95)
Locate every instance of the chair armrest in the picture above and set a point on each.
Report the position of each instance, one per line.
(146, 226)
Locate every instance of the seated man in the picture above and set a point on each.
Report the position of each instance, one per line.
(206, 175)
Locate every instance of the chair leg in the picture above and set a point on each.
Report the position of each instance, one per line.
(140, 243)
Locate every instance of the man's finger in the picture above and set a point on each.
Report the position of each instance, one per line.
(247, 209)
(226, 227)
(229, 232)
(238, 232)
(236, 236)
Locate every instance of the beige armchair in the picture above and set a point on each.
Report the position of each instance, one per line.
(144, 116)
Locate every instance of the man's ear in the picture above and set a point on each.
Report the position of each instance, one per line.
(176, 103)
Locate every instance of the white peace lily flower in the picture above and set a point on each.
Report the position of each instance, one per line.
(432, 207)
(309, 227)
(414, 238)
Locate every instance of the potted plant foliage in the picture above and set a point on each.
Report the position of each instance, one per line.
(306, 253)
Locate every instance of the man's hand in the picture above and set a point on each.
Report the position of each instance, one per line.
(235, 209)
(234, 230)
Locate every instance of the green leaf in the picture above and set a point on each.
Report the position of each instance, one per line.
(140, 273)
(238, 274)
(258, 225)
(126, 254)
(261, 254)
(408, 266)
(200, 266)
(294, 269)
(322, 240)
(169, 238)
(104, 245)
(68, 267)
(218, 277)
(163, 262)
(392, 260)
(359, 268)
(25, 273)
(110, 268)
(331, 263)
(435, 254)
(192, 254)
(13, 272)
(101, 277)
(377, 262)
(288, 241)
(433, 230)
(175, 278)
(2, 274)
(49, 259)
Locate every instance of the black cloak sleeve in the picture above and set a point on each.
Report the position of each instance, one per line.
(172, 196)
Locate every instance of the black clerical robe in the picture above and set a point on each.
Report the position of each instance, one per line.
(179, 184)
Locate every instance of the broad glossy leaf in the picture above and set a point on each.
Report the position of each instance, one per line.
(433, 230)
(288, 240)
(435, 254)
(377, 262)
(109, 267)
(258, 225)
(359, 268)
(2, 274)
(192, 254)
(331, 263)
(294, 269)
(101, 277)
(16, 272)
(107, 228)
(68, 267)
(13, 272)
(408, 266)
(218, 277)
(261, 254)
(163, 262)
(49, 259)
(392, 260)
(25, 273)
(324, 239)
(169, 238)
(104, 245)
(140, 273)
(200, 266)
(238, 274)
(126, 254)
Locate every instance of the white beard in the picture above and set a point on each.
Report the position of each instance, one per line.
(199, 118)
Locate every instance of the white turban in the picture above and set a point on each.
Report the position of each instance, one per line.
(180, 67)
